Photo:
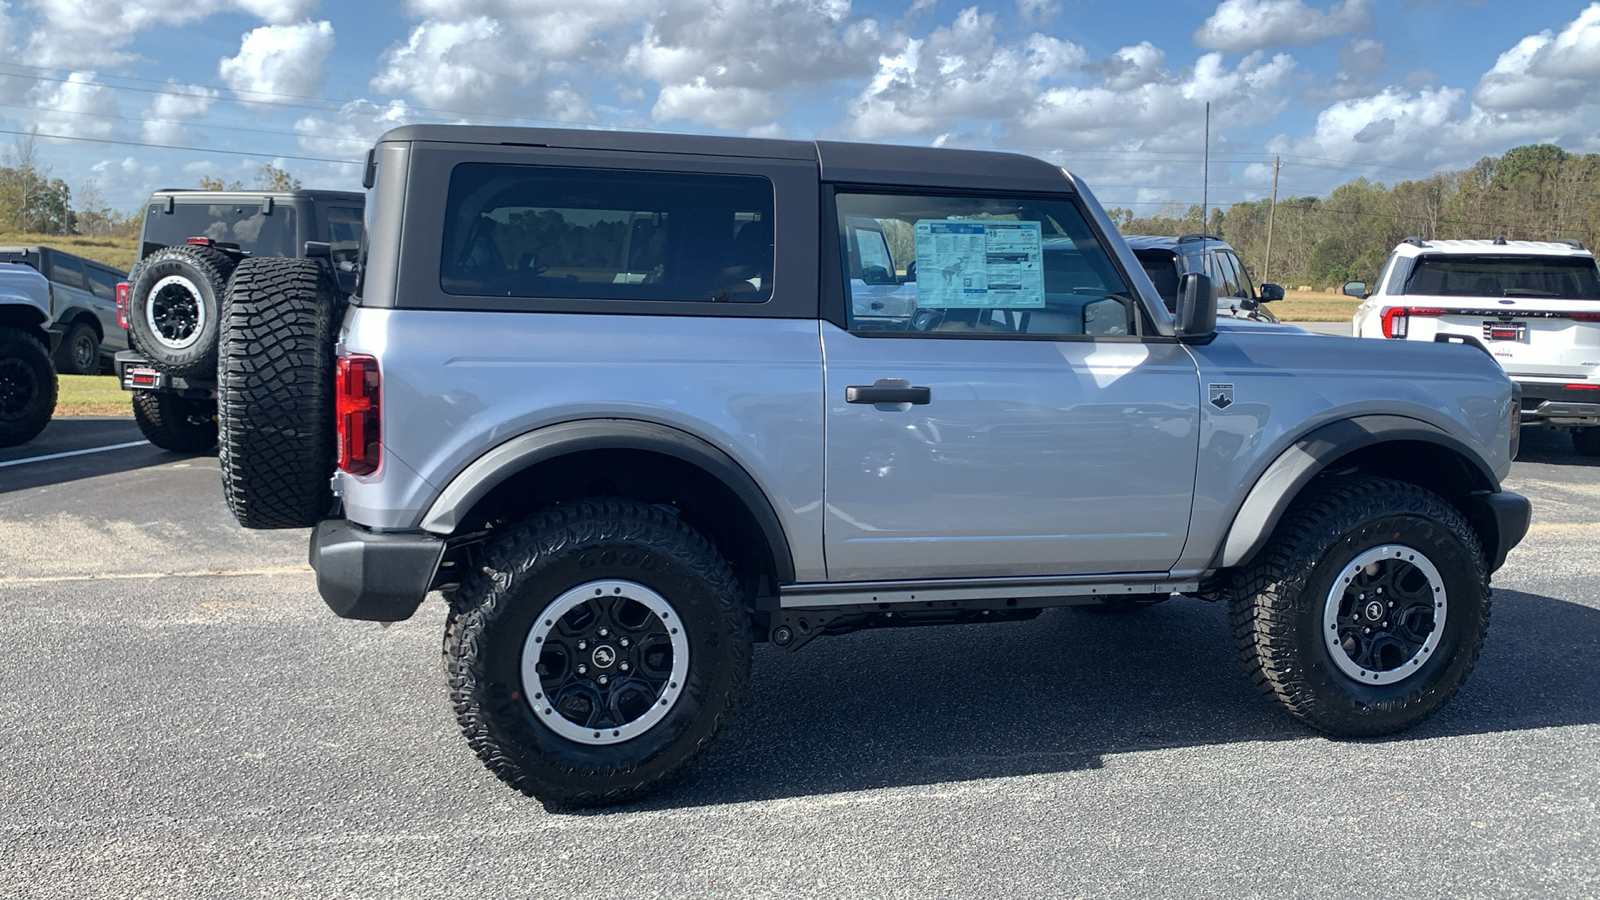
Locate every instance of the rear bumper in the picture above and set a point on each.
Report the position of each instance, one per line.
(1546, 403)
(1503, 518)
(373, 576)
(135, 373)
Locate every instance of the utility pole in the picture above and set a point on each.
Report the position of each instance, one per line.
(1272, 212)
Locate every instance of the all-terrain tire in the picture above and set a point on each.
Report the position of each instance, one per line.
(1586, 441)
(179, 424)
(174, 308)
(275, 392)
(1310, 572)
(27, 387)
(524, 736)
(79, 352)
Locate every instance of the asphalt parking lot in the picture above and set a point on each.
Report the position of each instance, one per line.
(183, 717)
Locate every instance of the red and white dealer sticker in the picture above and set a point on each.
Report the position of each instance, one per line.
(140, 378)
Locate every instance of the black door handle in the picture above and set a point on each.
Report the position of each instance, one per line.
(890, 392)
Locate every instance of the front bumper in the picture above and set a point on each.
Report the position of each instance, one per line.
(1503, 519)
(370, 575)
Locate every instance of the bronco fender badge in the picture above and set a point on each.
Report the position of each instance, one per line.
(1221, 395)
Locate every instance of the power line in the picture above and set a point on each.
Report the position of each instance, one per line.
(257, 154)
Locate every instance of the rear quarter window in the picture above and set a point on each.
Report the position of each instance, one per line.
(538, 231)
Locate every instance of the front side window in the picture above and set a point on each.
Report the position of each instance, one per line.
(1553, 277)
(535, 231)
(978, 265)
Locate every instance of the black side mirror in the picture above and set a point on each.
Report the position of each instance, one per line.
(1197, 308)
(1356, 289)
(1271, 292)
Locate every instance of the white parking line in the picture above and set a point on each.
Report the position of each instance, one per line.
(50, 456)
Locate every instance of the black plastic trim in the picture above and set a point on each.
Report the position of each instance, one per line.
(1508, 515)
(375, 577)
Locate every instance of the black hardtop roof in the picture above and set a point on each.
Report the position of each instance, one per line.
(1170, 242)
(303, 194)
(838, 162)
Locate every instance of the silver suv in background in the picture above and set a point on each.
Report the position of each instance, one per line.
(1167, 259)
(1534, 306)
(84, 312)
(632, 403)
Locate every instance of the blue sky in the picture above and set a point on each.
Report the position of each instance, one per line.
(1390, 89)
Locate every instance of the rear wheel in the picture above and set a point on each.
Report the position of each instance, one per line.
(599, 650)
(174, 307)
(1586, 441)
(275, 392)
(175, 423)
(79, 353)
(1367, 610)
(27, 387)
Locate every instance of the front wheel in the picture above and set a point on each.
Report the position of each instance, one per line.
(1367, 610)
(600, 648)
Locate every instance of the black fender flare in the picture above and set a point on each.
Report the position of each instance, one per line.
(488, 471)
(1307, 457)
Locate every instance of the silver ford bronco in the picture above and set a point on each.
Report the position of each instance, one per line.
(633, 403)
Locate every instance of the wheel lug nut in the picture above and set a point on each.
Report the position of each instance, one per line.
(602, 679)
(624, 642)
(604, 632)
(624, 667)
(583, 670)
(583, 645)
(1363, 631)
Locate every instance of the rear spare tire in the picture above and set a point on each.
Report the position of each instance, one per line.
(27, 387)
(176, 423)
(174, 307)
(275, 392)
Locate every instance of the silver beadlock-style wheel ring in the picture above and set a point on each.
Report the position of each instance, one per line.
(1385, 614)
(605, 662)
(175, 312)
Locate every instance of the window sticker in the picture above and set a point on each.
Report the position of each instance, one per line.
(962, 263)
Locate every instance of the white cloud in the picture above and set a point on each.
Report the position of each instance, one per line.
(78, 107)
(1243, 25)
(174, 106)
(1038, 10)
(92, 32)
(279, 59)
(350, 133)
(728, 64)
(1546, 70)
(960, 72)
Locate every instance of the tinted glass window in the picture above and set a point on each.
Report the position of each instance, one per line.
(526, 231)
(242, 224)
(344, 233)
(1570, 278)
(103, 282)
(980, 266)
(1246, 287)
(1162, 267)
(66, 271)
(1227, 277)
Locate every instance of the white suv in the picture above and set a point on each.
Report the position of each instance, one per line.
(1532, 305)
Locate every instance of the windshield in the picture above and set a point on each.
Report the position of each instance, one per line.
(230, 223)
(1553, 277)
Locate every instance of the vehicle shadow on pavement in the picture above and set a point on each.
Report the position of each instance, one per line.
(1551, 447)
(67, 435)
(1072, 691)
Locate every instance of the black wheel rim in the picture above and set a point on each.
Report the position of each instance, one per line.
(84, 351)
(605, 662)
(176, 314)
(1385, 614)
(19, 389)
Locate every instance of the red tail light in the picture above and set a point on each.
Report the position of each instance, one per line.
(1396, 319)
(1586, 317)
(358, 414)
(1581, 387)
(123, 290)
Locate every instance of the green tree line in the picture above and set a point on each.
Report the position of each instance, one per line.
(1537, 192)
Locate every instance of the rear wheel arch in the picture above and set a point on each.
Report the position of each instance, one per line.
(1397, 447)
(629, 459)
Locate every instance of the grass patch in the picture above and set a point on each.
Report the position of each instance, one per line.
(92, 395)
(118, 252)
(1314, 306)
